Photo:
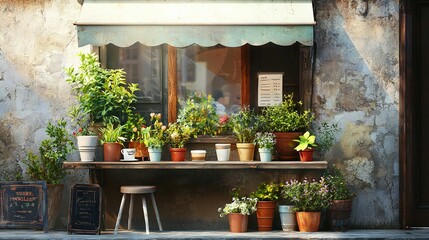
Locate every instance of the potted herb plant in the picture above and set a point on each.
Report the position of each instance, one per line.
(177, 136)
(244, 125)
(306, 143)
(133, 132)
(342, 200)
(287, 122)
(48, 165)
(238, 212)
(267, 195)
(265, 142)
(112, 141)
(309, 199)
(154, 137)
(87, 140)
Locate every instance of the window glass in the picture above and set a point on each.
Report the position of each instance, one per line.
(211, 70)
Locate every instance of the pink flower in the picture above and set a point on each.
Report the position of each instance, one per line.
(223, 119)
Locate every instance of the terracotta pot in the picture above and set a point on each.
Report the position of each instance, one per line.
(306, 155)
(141, 149)
(265, 214)
(339, 215)
(178, 154)
(238, 222)
(112, 152)
(246, 151)
(308, 221)
(55, 195)
(285, 146)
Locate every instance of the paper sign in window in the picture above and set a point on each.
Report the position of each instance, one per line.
(270, 89)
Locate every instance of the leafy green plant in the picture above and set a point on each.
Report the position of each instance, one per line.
(267, 192)
(112, 134)
(326, 135)
(245, 125)
(307, 196)
(178, 135)
(53, 152)
(154, 136)
(265, 140)
(133, 128)
(336, 182)
(306, 141)
(243, 205)
(103, 94)
(286, 117)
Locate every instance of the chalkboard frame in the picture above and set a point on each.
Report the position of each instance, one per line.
(73, 227)
(31, 188)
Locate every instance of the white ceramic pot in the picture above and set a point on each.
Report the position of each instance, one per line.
(198, 155)
(155, 154)
(287, 218)
(265, 154)
(87, 146)
(223, 151)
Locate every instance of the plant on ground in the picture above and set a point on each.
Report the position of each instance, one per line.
(307, 196)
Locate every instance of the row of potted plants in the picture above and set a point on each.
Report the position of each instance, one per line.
(306, 201)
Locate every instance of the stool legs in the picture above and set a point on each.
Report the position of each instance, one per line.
(120, 213)
(146, 218)
(130, 212)
(155, 209)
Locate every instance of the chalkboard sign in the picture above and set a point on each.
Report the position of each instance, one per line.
(85, 209)
(23, 205)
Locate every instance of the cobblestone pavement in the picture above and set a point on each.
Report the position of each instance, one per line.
(353, 234)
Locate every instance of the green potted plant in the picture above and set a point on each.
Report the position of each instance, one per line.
(286, 211)
(245, 125)
(103, 94)
(265, 142)
(112, 141)
(87, 140)
(133, 132)
(342, 200)
(306, 143)
(154, 137)
(177, 136)
(238, 212)
(48, 165)
(267, 195)
(287, 122)
(309, 199)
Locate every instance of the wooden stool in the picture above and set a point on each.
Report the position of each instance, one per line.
(138, 190)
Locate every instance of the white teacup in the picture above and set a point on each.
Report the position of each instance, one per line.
(129, 153)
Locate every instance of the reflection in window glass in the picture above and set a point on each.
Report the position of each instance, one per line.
(211, 70)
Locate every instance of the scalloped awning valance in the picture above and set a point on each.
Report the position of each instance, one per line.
(206, 23)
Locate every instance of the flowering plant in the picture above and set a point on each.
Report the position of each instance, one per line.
(337, 185)
(265, 140)
(244, 125)
(267, 192)
(244, 205)
(307, 196)
(224, 124)
(154, 136)
(178, 134)
(133, 128)
(83, 131)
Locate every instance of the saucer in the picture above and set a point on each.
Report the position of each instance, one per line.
(129, 160)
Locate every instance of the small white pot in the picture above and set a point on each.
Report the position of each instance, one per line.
(198, 155)
(265, 154)
(87, 146)
(223, 151)
(155, 154)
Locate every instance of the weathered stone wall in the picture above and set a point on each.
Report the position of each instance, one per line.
(357, 86)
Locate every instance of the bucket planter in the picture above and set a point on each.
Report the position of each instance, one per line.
(238, 222)
(223, 151)
(141, 149)
(265, 214)
(306, 155)
(265, 154)
(246, 151)
(112, 151)
(339, 215)
(178, 154)
(287, 218)
(55, 195)
(308, 221)
(285, 145)
(87, 146)
(155, 154)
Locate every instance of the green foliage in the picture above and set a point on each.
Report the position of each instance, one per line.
(103, 94)
(307, 196)
(305, 141)
(53, 152)
(285, 117)
(132, 130)
(155, 136)
(326, 135)
(111, 134)
(267, 192)
(244, 205)
(178, 135)
(337, 184)
(244, 125)
(265, 140)
(199, 113)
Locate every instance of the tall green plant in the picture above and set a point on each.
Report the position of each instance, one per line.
(245, 125)
(53, 152)
(103, 94)
(111, 134)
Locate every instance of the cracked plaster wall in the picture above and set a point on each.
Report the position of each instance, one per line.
(356, 84)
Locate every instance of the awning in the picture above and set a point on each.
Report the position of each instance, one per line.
(206, 23)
